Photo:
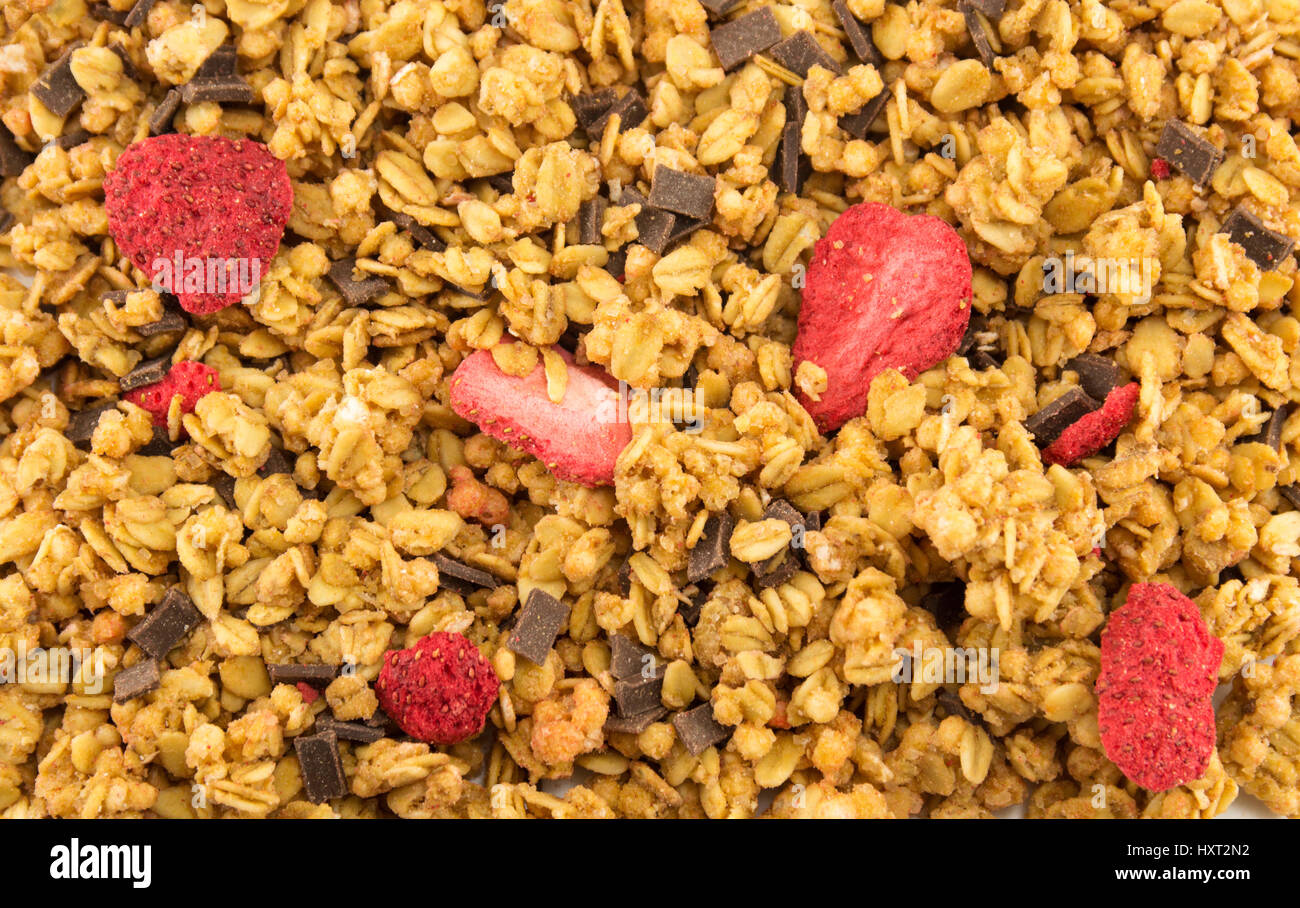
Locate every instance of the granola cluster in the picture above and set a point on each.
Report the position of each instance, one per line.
(746, 620)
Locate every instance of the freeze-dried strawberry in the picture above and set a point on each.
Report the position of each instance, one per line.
(189, 379)
(1093, 431)
(200, 215)
(1159, 668)
(439, 690)
(579, 439)
(884, 291)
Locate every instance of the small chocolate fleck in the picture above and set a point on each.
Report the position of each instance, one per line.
(423, 236)
(503, 183)
(1292, 494)
(591, 218)
(800, 52)
(106, 13)
(160, 121)
(540, 621)
(713, 549)
(682, 193)
(166, 625)
(356, 292)
(225, 487)
(1266, 248)
(461, 578)
(321, 766)
(1048, 423)
(149, 372)
(82, 425)
(979, 33)
(56, 88)
(1189, 152)
(1098, 375)
(128, 65)
(740, 39)
(627, 658)
(317, 675)
(1271, 432)
(136, 681)
(698, 729)
(859, 37)
(139, 13)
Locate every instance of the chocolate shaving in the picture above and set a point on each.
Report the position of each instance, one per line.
(1189, 152)
(712, 551)
(136, 681)
(78, 136)
(82, 425)
(591, 218)
(423, 236)
(991, 8)
(128, 65)
(160, 121)
(461, 578)
(740, 39)
(859, 37)
(221, 89)
(1266, 248)
(356, 292)
(13, 160)
(149, 372)
(682, 193)
(166, 625)
(858, 124)
(321, 766)
(1271, 432)
(56, 88)
(791, 166)
(7, 221)
(540, 622)
(503, 183)
(106, 13)
(698, 729)
(317, 675)
(1291, 493)
(627, 658)
(639, 695)
(800, 52)
(224, 485)
(139, 13)
(1048, 423)
(979, 33)
(1098, 375)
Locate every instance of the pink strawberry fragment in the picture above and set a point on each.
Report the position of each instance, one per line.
(579, 439)
(189, 380)
(884, 291)
(1093, 431)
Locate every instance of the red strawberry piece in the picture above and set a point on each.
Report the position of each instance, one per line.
(1159, 669)
(189, 379)
(1093, 431)
(201, 215)
(579, 439)
(439, 690)
(309, 693)
(884, 290)
(1159, 168)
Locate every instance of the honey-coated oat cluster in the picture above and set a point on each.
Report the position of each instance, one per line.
(630, 561)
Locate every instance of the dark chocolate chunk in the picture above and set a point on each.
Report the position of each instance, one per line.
(1189, 152)
(13, 160)
(790, 167)
(800, 52)
(225, 486)
(639, 694)
(148, 372)
(171, 322)
(979, 34)
(774, 571)
(136, 681)
(812, 521)
(106, 13)
(654, 226)
(684, 227)
(78, 136)
(780, 509)
(160, 121)
(590, 107)
(277, 462)
(540, 621)
(1292, 494)
(980, 360)
(1266, 248)
(82, 425)
(321, 766)
(991, 8)
(1271, 432)
(503, 183)
(631, 110)
(858, 34)
(946, 601)
(221, 62)
(423, 236)
(166, 625)
(356, 292)
(690, 611)
(636, 724)
(139, 13)
(1048, 423)
(128, 65)
(1098, 375)
(713, 549)
(617, 263)
(591, 218)
(858, 124)
(740, 39)
(718, 8)
(56, 88)
(624, 579)
(160, 445)
(682, 193)
(318, 675)
(627, 658)
(461, 578)
(361, 732)
(221, 89)
(698, 729)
